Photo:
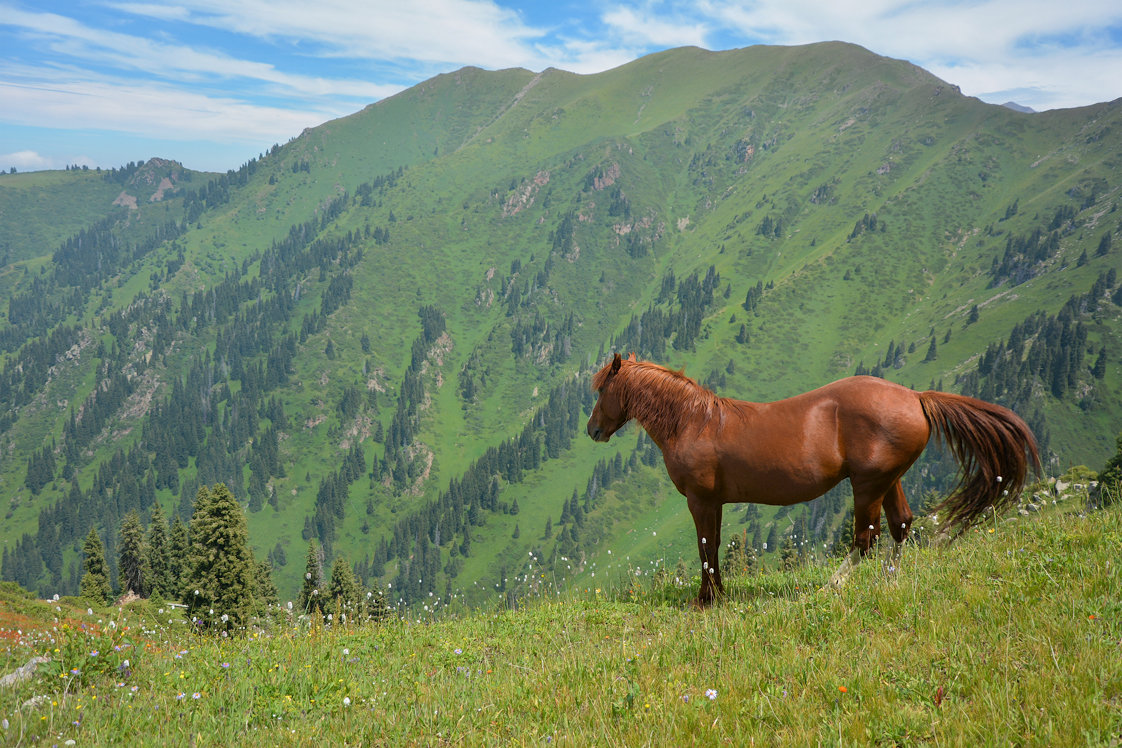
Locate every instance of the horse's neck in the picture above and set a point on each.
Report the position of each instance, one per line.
(664, 416)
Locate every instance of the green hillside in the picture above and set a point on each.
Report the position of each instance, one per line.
(1008, 636)
(379, 334)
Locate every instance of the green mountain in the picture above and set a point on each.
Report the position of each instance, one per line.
(379, 334)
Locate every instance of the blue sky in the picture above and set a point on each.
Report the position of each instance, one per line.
(213, 83)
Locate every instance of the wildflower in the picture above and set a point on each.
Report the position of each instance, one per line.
(843, 689)
(225, 665)
(196, 695)
(94, 653)
(346, 701)
(179, 696)
(711, 694)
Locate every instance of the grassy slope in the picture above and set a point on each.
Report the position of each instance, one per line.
(1008, 636)
(40, 210)
(827, 114)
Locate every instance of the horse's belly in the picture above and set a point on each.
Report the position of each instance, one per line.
(780, 480)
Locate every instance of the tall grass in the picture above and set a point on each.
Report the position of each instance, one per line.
(1011, 635)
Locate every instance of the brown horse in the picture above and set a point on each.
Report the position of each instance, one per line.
(719, 451)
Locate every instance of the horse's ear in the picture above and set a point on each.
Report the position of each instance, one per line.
(617, 361)
(631, 357)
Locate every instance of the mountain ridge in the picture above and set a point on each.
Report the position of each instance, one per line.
(768, 218)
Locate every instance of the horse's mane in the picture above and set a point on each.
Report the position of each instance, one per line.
(659, 398)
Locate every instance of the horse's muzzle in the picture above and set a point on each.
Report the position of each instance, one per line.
(597, 433)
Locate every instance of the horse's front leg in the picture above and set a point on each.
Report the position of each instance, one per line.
(707, 521)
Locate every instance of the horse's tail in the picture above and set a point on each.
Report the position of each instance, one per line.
(995, 448)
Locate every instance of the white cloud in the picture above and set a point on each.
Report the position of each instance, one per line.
(153, 110)
(179, 62)
(462, 32)
(1052, 54)
(24, 161)
(652, 26)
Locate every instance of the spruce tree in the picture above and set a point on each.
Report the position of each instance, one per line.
(843, 541)
(932, 352)
(222, 569)
(788, 553)
(750, 560)
(95, 582)
(311, 594)
(266, 590)
(130, 555)
(345, 593)
(157, 569)
(377, 609)
(734, 562)
(178, 543)
(1110, 478)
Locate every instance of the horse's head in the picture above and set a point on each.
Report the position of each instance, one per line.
(609, 413)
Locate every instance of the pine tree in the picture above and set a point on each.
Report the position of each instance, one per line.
(130, 555)
(932, 352)
(345, 594)
(221, 565)
(750, 560)
(734, 556)
(771, 545)
(266, 590)
(1104, 246)
(788, 553)
(95, 583)
(1098, 371)
(1110, 477)
(310, 598)
(157, 569)
(178, 544)
(377, 609)
(843, 541)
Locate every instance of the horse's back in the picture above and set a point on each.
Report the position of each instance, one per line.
(878, 421)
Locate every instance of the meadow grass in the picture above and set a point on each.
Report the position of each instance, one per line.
(1009, 636)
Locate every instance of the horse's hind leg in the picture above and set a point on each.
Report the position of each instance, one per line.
(837, 579)
(866, 524)
(866, 528)
(899, 516)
